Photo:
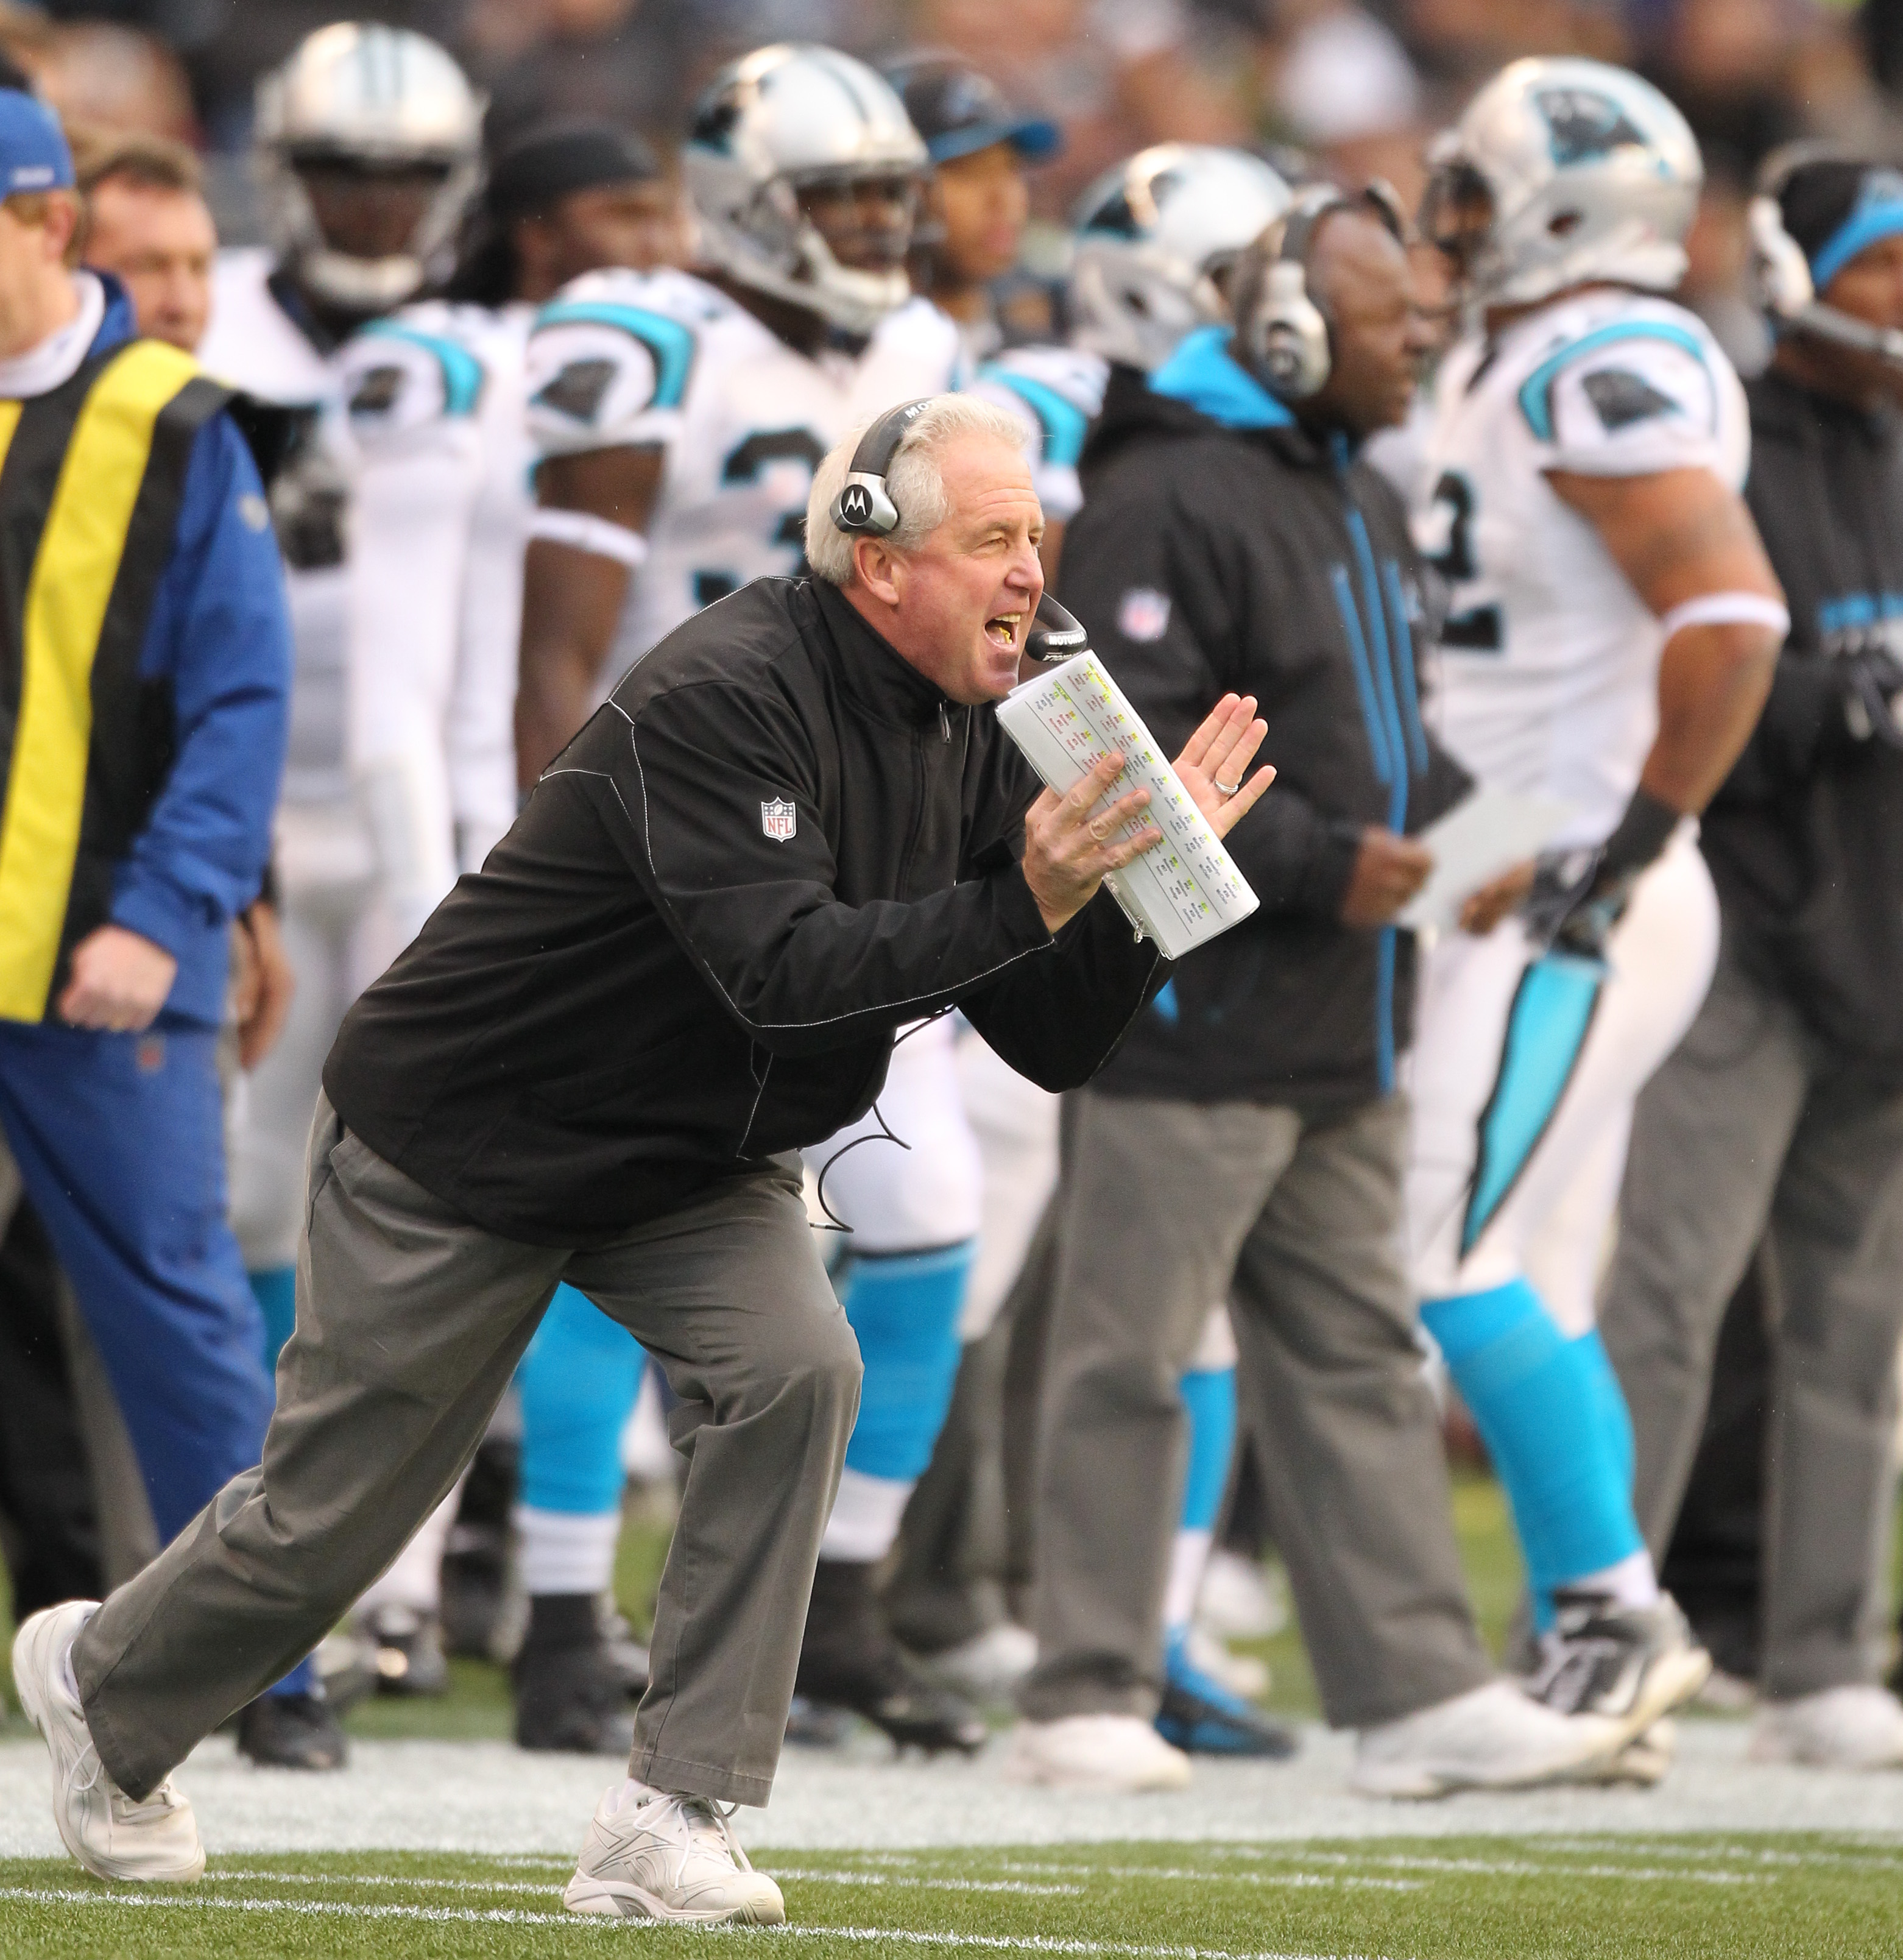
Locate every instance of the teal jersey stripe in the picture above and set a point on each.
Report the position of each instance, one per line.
(462, 375)
(671, 344)
(1065, 424)
(1537, 391)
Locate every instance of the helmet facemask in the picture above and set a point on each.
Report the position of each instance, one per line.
(367, 234)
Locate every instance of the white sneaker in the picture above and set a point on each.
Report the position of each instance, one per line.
(1491, 1738)
(1105, 1752)
(1852, 1728)
(1238, 1600)
(112, 1835)
(651, 1855)
(1644, 1762)
(986, 1668)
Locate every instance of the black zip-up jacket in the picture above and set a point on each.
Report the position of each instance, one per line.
(1209, 557)
(1804, 840)
(775, 843)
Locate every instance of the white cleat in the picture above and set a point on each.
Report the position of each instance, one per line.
(985, 1668)
(1633, 1663)
(1119, 1753)
(651, 1855)
(1240, 1673)
(1238, 1600)
(1491, 1738)
(110, 1833)
(1849, 1728)
(1645, 1761)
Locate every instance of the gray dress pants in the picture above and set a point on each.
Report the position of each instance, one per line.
(1755, 1128)
(410, 1322)
(1167, 1208)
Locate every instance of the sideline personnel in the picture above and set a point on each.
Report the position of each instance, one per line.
(1249, 1142)
(143, 682)
(790, 830)
(1782, 1109)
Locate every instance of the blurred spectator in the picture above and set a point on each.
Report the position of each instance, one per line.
(113, 78)
(148, 225)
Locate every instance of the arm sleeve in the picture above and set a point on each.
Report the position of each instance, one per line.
(754, 909)
(1635, 403)
(220, 633)
(419, 470)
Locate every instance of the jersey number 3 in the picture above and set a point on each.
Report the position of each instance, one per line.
(1481, 629)
(744, 464)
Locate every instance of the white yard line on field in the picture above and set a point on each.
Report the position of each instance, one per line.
(503, 1916)
(554, 1892)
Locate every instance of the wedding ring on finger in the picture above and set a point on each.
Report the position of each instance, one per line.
(1227, 789)
(1100, 828)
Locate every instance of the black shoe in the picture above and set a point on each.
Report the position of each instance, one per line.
(475, 1559)
(569, 1694)
(626, 1657)
(291, 1732)
(1202, 1717)
(849, 1659)
(406, 1651)
(1632, 1663)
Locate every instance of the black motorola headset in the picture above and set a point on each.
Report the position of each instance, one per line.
(1780, 275)
(864, 505)
(1286, 333)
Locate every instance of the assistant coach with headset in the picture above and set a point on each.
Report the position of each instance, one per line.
(791, 829)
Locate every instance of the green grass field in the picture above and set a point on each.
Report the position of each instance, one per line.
(1727, 1899)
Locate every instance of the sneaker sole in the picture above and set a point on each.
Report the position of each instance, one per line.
(32, 1665)
(611, 1898)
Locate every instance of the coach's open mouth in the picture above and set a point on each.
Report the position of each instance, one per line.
(1003, 631)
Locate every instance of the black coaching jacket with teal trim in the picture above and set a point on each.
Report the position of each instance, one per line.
(1221, 547)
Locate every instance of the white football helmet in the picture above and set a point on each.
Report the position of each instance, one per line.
(1562, 171)
(358, 93)
(772, 124)
(1153, 236)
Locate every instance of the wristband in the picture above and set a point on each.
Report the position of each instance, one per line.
(583, 531)
(1726, 609)
(1640, 836)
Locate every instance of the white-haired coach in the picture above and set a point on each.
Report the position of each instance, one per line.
(792, 828)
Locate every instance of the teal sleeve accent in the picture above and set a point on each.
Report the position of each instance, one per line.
(461, 371)
(1537, 391)
(1546, 1029)
(1064, 424)
(671, 344)
(1209, 1401)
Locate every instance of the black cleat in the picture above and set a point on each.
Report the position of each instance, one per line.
(1203, 1718)
(849, 1659)
(406, 1652)
(291, 1732)
(570, 1695)
(1632, 1663)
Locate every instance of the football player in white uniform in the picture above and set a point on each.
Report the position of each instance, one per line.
(1612, 627)
(366, 147)
(434, 397)
(679, 420)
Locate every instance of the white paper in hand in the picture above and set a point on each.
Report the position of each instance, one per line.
(1474, 843)
(1182, 892)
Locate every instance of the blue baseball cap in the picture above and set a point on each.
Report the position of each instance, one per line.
(960, 112)
(33, 155)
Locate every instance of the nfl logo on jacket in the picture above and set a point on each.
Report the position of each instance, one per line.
(779, 820)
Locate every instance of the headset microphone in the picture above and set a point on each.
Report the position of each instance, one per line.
(864, 507)
(1054, 637)
(1781, 278)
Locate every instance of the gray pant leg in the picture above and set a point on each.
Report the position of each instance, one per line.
(1350, 1437)
(410, 1322)
(1837, 1239)
(1155, 1201)
(1709, 1136)
(731, 1298)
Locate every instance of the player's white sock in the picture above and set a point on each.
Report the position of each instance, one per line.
(566, 1551)
(1630, 1582)
(1188, 1554)
(865, 1523)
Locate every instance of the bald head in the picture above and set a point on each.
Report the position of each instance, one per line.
(1359, 274)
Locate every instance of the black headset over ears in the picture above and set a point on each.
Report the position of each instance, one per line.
(863, 504)
(1285, 333)
(1780, 273)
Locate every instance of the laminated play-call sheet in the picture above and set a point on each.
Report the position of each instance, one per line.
(1181, 892)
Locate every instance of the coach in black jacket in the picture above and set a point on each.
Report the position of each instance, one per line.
(1247, 1144)
(1780, 1114)
(794, 825)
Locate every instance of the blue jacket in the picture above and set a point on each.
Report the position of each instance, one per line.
(220, 634)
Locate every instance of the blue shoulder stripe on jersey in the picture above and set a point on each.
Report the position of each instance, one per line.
(1064, 424)
(1537, 391)
(461, 371)
(671, 344)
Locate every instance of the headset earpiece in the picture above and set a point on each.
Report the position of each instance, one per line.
(864, 507)
(1780, 280)
(1284, 332)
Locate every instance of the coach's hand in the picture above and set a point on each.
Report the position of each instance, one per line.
(1067, 849)
(120, 980)
(1388, 870)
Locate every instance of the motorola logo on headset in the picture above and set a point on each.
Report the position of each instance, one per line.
(855, 506)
